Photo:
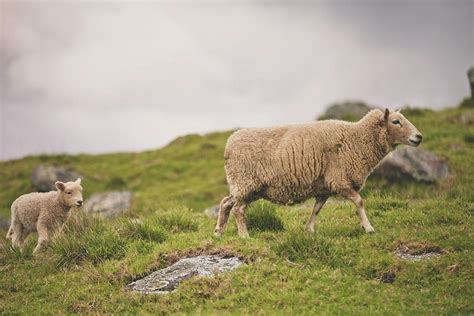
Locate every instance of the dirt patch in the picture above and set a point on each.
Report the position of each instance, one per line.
(417, 251)
(388, 277)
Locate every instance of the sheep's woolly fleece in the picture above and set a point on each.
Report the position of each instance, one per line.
(282, 163)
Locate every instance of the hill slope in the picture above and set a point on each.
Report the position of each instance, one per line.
(340, 269)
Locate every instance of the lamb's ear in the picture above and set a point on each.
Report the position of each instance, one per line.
(60, 186)
(78, 181)
(398, 111)
(386, 114)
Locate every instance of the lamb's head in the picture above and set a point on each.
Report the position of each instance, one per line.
(71, 192)
(400, 130)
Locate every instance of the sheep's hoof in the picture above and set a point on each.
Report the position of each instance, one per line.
(369, 229)
(217, 233)
(309, 229)
(244, 235)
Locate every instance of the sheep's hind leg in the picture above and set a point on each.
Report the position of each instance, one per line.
(239, 212)
(355, 197)
(224, 211)
(318, 205)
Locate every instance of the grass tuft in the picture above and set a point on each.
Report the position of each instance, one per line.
(8, 252)
(299, 245)
(87, 238)
(177, 220)
(135, 229)
(261, 216)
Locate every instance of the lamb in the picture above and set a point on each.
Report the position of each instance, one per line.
(292, 163)
(43, 212)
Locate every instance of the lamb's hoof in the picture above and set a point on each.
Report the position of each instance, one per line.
(309, 229)
(217, 233)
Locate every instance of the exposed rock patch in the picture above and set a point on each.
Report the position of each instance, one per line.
(413, 164)
(213, 211)
(44, 177)
(167, 280)
(348, 111)
(4, 223)
(423, 253)
(466, 118)
(109, 204)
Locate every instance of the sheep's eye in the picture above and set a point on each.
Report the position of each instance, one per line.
(396, 122)
(69, 192)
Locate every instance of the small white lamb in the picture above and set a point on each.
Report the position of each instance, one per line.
(43, 212)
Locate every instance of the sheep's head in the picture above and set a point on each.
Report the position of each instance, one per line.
(71, 192)
(401, 130)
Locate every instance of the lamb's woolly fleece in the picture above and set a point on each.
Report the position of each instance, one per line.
(42, 212)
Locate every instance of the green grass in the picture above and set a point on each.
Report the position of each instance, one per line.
(337, 270)
(261, 216)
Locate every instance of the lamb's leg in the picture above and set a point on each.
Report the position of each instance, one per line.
(239, 212)
(355, 197)
(320, 200)
(43, 238)
(17, 238)
(224, 211)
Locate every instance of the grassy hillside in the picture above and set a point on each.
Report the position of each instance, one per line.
(340, 269)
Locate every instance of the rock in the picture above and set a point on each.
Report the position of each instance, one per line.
(456, 147)
(466, 118)
(470, 76)
(213, 211)
(109, 204)
(413, 164)
(168, 279)
(404, 254)
(4, 223)
(44, 177)
(348, 111)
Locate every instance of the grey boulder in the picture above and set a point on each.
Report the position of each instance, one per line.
(213, 211)
(348, 111)
(44, 177)
(413, 164)
(109, 204)
(4, 223)
(167, 279)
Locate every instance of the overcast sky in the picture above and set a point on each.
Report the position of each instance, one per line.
(100, 76)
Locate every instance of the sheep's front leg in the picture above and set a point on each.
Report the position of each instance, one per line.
(224, 211)
(43, 238)
(355, 197)
(239, 212)
(320, 200)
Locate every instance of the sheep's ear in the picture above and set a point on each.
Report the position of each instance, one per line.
(78, 181)
(60, 186)
(398, 111)
(386, 114)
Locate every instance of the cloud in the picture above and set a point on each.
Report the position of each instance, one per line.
(98, 77)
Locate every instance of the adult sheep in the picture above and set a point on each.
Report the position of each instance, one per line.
(43, 212)
(292, 163)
